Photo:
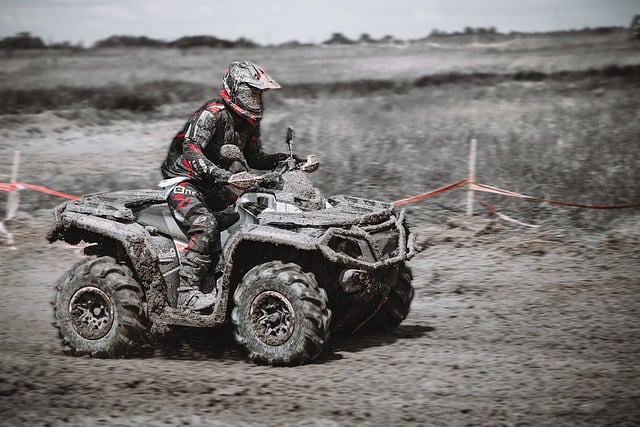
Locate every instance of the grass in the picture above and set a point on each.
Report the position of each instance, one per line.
(577, 141)
(130, 67)
(554, 117)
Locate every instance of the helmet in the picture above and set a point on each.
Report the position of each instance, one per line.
(244, 83)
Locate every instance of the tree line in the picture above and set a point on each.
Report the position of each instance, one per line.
(26, 40)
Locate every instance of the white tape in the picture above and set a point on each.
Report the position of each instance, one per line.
(496, 190)
(506, 218)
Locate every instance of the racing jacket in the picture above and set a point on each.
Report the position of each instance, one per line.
(194, 153)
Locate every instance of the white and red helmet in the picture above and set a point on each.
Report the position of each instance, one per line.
(243, 84)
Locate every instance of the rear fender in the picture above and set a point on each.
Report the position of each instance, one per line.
(133, 238)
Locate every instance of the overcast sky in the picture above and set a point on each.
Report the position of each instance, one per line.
(277, 21)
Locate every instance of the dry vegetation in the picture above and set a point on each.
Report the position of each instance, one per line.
(555, 116)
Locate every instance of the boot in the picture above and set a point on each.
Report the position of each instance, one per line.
(194, 267)
(191, 298)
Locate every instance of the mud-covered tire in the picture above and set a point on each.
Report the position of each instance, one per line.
(100, 309)
(280, 314)
(397, 306)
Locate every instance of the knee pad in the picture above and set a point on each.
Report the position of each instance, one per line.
(203, 221)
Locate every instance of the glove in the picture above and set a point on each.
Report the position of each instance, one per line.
(243, 181)
(279, 157)
(219, 175)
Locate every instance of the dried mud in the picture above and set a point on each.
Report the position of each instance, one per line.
(508, 327)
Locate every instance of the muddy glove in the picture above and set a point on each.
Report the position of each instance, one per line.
(278, 159)
(243, 181)
(221, 176)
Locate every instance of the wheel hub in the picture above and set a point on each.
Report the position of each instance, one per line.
(272, 317)
(91, 312)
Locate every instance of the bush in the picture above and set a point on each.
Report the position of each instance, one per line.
(128, 41)
(338, 38)
(22, 41)
(210, 41)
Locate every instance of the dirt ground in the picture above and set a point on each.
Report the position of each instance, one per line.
(508, 327)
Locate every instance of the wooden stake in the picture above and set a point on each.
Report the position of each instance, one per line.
(13, 199)
(472, 176)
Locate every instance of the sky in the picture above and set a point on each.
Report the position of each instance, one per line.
(307, 21)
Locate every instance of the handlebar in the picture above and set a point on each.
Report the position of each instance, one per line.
(310, 164)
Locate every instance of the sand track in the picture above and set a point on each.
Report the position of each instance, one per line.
(506, 328)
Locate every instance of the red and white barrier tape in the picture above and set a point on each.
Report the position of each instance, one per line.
(14, 186)
(21, 185)
(494, 211)
(431, 193)
(496, 190)
(473, 185)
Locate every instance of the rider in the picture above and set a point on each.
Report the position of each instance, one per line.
(196, 172)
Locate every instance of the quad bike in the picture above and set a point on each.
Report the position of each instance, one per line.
(293, 267)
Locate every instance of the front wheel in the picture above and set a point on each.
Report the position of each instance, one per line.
(396, 307)
(99, 309)
(281, 314)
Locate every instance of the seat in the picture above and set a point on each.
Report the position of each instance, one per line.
(160, 217)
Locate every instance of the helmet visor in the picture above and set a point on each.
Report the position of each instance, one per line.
(249, 97)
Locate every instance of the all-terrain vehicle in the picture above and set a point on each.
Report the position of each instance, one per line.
(293, 267)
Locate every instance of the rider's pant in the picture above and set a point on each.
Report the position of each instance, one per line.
(189, 208)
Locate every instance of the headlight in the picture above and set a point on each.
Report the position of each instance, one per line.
(352, 247)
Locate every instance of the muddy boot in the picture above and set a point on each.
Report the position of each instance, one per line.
(194, 267)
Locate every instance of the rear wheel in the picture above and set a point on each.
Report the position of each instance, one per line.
(99, 309)
(281, 314)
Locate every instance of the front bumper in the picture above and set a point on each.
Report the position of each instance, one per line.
(370, 247)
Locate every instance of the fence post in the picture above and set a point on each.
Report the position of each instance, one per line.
(472, 176)
(13, 199)
(12, 202)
